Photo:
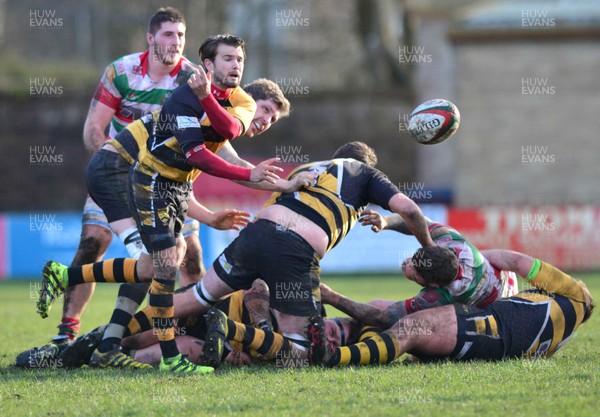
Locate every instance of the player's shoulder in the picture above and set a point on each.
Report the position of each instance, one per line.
(238, 95)
(131, 63)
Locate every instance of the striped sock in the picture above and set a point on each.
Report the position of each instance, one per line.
(140, 322)
(382, 348)
(162, 311)
(111, 270)
(267, 344)
(367, 332)
(129, 299)
(69, 327)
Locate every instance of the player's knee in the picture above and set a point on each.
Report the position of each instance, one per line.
(91, 246)
(260, 287)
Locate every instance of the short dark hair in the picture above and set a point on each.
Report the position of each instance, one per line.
(164, 14)
(436, 264)
(263, 89)
(208, 49)
(357, 150)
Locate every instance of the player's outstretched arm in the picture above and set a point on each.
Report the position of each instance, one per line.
(364, 313)
(507, 260)
(541, 275)
(378, 222)
(413, 217)
(228, 219)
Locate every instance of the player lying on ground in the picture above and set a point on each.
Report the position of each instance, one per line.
(454, 271)
(249, 308)
(533, 323)
(292, 233)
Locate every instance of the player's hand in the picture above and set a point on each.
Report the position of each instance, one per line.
(237, 358)
(328, 295)
(373, 219)
(301, 180)
(229, 219)
(199, 82)
(266, 171)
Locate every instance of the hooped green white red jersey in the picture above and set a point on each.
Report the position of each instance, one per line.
(478, 283)
(127, 88)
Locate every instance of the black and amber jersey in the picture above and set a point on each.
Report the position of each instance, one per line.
(129, 140)
(135, 136)
(342, 189)
(537, 322)
(182, 125)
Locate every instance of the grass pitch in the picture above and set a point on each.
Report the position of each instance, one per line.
(567, 384)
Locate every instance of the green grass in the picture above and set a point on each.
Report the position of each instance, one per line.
(568, 384)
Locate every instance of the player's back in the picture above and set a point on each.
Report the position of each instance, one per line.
(342, 188)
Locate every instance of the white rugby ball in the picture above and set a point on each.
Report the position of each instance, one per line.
(433, 121)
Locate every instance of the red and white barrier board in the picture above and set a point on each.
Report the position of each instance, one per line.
(566, 236)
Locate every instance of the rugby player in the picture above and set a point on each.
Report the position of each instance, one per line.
(453, 271)
(534, 323)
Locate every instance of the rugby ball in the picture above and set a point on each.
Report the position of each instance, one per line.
(433, 121)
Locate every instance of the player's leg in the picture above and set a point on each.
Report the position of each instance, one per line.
(93, 244)
(108, 180)
(130, 296)
(431, 332)
(159, 208)
(256, 300)
(192, 267)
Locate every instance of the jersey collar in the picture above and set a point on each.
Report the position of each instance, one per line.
(144, 64)
(220, 94)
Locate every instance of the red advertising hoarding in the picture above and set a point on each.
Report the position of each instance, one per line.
(566, 236)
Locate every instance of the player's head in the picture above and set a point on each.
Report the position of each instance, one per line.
(341, 331)
(357, 150)
(166, 35)
(433, 266)
(271, 105)
(224, 56)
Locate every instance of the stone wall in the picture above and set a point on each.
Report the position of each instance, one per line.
(530, 122)
(44, 158)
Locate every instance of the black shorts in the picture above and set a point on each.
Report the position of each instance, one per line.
(159, 206)
(478, 335)
(107, 176)
(505, 329)
(280, 257)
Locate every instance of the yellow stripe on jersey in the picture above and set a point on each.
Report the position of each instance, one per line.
(321, 198)
(493, 326)
(149, 165)
(243, 108)
(480, 326)
(121, 151)
(139, 132)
